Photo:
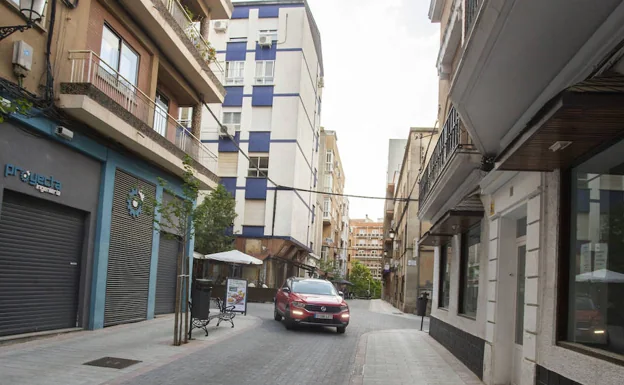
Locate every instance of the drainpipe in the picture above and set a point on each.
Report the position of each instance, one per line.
(274, 209)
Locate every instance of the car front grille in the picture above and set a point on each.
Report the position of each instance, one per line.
(317, 308)
(333, 321)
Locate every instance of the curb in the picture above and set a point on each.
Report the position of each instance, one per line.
(357, 377)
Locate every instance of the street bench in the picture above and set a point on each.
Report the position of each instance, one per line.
(226, 313)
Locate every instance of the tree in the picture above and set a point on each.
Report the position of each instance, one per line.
(178, 218)
(362, 279)
(213, 216)
(331, 267)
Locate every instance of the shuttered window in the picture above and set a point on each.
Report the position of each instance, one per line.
(254, 212)
(228, 164)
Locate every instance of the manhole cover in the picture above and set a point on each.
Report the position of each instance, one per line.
(397, 313)
(112, 362)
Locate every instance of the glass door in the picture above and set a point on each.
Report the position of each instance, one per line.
(160, 114)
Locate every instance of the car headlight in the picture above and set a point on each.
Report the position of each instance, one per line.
(344, 307)
(300, 305)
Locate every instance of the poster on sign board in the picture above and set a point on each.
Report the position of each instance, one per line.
(236, 294)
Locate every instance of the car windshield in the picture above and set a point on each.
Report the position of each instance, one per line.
(584, 303)
(312, 287)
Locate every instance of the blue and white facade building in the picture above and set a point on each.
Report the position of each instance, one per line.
(271, 54)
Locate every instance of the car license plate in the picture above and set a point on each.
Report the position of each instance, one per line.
(323, 316)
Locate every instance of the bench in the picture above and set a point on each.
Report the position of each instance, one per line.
(226, 313)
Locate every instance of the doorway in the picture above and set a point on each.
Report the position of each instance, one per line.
(160, 114)
(518, 335)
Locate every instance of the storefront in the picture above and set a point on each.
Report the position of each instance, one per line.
(79, 246)
(49, 197)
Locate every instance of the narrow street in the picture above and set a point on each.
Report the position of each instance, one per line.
(381, 345)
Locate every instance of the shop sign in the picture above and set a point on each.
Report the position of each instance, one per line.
(42, 183)
(585, 266)
(411, 262)
(601, 252)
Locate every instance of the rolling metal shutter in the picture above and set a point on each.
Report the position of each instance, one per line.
(167, 274)
(130, 253)
(40, 255)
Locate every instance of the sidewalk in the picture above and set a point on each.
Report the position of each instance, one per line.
(61, 359)
(383, 307)
(396, 357)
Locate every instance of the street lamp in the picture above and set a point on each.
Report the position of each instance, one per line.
(391, 234)
(32, 10)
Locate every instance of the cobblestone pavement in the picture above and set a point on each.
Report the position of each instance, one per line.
(379, 346)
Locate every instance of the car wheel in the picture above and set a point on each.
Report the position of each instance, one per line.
(276, 315)
(287, 321)
(341, 329)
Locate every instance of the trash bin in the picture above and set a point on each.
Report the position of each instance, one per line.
(200, 298)
(421, 305)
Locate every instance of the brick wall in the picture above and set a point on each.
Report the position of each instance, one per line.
(466, 347)
(97, 16)
(546, 377)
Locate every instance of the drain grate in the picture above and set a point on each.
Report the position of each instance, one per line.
(398, 313)
(112, 362)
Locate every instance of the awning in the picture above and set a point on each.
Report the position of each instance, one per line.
(602, 275)
(575, 122)
(232, 256)
(462, 217)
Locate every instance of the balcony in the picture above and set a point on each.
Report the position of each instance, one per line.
(98, 95)
(179, 38)
(453, 167)
(508, 71)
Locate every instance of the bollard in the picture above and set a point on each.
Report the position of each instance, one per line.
(421, 308)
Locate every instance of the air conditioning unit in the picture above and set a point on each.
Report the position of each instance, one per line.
(220, 25)
(265, 41)
(227, 130)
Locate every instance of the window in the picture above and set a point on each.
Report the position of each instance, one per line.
(272, 33)
(258, 166)
(232, 119)
(329, 161)
(329, 183)
(313, 213)
(469, 278)
(122, 62)
(265, 70)
(595, 315)
(326, 207)
(446, 254)
(185, 118)
(234, 72)
(324, 253)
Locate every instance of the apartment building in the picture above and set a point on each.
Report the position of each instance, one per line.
(396, 150)
(333, 229)
(270, 140)
(410, 265)
(84, 161)
(524, 189)
(366, 244)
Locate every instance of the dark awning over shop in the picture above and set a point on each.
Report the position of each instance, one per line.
(576, 121)
(462, 217)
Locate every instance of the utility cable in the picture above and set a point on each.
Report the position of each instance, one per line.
(223, 130)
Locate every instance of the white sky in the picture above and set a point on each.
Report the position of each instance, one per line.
(380, 79)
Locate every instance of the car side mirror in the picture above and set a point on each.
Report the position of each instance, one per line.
(341, 294)
(286, 290)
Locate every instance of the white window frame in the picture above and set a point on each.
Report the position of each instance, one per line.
(329, 161)
(266, 77)
(234, 72)
(329, 183)
(228, 119)
(326, 208)
(268, 32)
(259, 171)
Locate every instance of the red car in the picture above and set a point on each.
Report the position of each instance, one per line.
(305, 301)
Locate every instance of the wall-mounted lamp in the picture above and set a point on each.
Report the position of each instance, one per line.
(32, 10)
(391, 234)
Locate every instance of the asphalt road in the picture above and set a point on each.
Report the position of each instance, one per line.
(269, 354)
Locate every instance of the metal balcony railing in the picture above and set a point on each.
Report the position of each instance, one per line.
(88, 68)
(471, 8)
(453, 138)
(190, 28)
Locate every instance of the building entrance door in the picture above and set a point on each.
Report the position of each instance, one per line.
(519, 316)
